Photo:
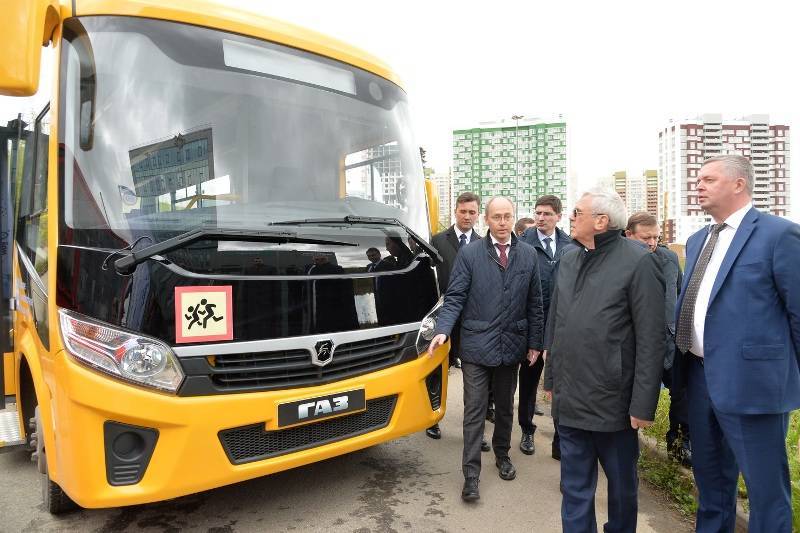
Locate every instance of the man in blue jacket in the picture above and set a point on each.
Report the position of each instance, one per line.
(550, 243)
(738, 330)
(494, 289)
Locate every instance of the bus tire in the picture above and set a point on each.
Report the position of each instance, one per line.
(54, 498)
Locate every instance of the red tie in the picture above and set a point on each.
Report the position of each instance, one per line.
(503, 255)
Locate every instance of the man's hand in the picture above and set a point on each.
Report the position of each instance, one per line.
(437, 341)
(533, 355)
(549, 395)
(637, 423)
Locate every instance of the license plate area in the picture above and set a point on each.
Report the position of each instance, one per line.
(321, 407)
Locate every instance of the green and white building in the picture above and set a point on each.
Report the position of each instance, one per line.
(521, 159)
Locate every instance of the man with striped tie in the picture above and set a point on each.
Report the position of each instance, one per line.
(495, 293)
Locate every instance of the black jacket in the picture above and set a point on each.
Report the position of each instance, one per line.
(547, 264)
(500, 309)
(605, 335)
(446, 243)
(673, 277)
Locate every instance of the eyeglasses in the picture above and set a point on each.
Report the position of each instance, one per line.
(577, 212)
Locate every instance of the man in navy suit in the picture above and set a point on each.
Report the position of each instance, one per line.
(738, 330)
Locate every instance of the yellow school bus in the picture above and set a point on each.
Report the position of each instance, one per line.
(214, 252)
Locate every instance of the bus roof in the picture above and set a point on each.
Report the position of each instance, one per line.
(213, 14)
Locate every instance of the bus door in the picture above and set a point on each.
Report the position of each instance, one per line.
(12, 138)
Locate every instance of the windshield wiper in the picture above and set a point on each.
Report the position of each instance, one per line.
(127, 264)
(432, 252)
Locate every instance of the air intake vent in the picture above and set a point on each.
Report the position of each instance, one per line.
(251, 443)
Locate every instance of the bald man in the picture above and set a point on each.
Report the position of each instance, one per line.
(494, 290)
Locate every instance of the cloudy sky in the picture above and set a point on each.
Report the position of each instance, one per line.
(617, 70)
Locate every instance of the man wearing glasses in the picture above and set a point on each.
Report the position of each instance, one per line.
(605, 341)
(550, 243)
(494, 290)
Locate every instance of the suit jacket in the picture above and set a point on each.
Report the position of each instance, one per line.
(547, 264)
(673, 278)
(446, 243)
(751, 340)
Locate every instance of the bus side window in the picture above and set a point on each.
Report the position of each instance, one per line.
(32, 224)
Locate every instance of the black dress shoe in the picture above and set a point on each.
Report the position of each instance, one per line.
(470, 491)
(538, 411)
(680, 452)
(507, 470)
(556, 452)
(457, 362)
(485, 445)
(490, 414)
(526, 445)
(434, 432)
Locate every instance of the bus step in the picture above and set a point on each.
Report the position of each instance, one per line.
(10, 434)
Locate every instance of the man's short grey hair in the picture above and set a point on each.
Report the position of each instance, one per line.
(493, 198)
(607, 202)
(736, 166)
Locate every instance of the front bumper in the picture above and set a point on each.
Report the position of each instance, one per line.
(189, 455)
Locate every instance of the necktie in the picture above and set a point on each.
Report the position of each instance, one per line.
(683, 335)
(503, 255)
(462, 241)
(547, 241)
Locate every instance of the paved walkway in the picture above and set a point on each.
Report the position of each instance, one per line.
(411, 484)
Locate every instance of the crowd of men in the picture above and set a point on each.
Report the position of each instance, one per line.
(608, 316)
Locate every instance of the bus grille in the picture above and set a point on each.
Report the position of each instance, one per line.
(293, 368)
(252, 443)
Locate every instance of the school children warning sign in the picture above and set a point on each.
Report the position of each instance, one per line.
(203, 314)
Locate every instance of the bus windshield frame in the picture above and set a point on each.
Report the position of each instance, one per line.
(167, 126)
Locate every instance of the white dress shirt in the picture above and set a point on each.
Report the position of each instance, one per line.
(724, 240)
(459, 233)
(552, 238)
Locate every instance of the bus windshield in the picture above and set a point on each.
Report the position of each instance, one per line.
(166, 127)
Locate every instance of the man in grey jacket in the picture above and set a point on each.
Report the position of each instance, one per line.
(605, 341)
(494, 289)
(643, 227)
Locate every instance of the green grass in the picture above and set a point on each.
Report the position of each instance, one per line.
(679, 485)
(665, 474)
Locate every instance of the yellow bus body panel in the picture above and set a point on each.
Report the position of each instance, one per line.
(9, 377)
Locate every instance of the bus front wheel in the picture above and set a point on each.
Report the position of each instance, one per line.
(55, 499)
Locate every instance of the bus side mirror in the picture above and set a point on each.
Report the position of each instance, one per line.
(27, 26)
(433, 205)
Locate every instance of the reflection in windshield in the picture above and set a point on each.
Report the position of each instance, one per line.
(182, 135)
(174, 174)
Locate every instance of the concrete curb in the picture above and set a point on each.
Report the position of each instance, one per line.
(651, 445)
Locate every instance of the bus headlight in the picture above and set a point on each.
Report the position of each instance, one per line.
(141, 360)
(427, 327)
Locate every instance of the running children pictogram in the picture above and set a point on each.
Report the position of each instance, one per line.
(203, 314)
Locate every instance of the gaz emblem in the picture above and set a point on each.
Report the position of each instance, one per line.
(323, 353)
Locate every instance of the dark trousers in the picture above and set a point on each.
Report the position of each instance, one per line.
(528, 383)
(618, 452)
(455, 344)
(678, 433)
(476, 392)
(722, 443)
